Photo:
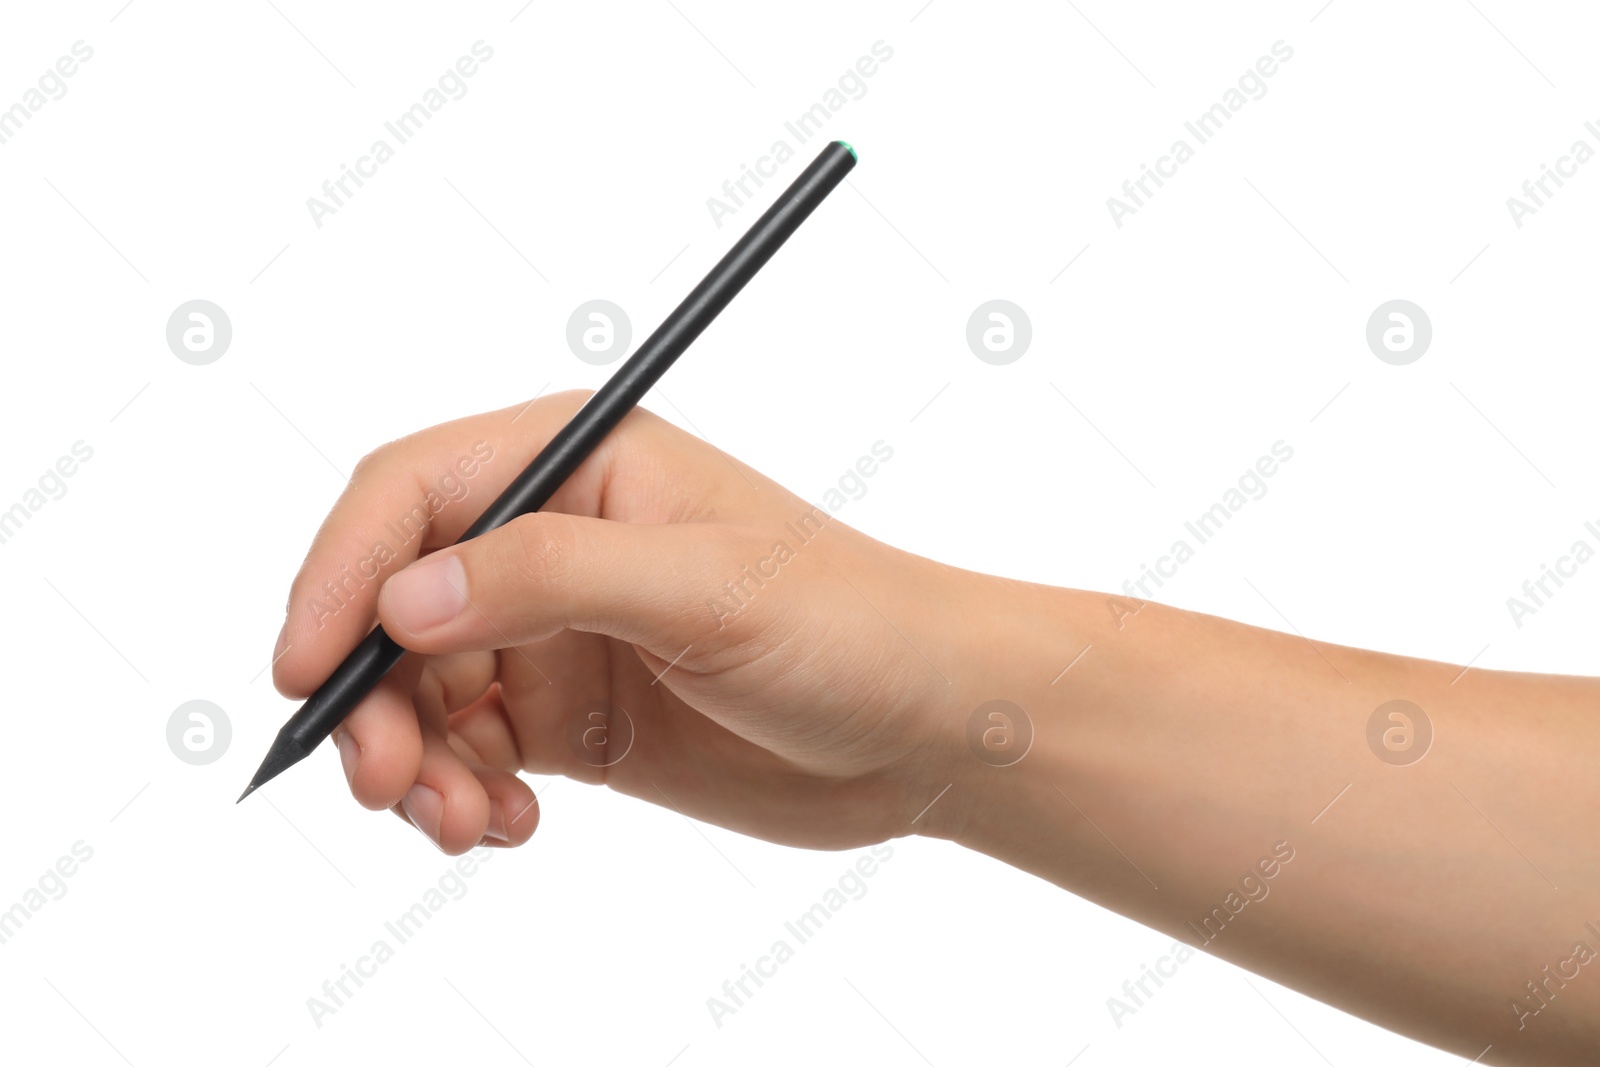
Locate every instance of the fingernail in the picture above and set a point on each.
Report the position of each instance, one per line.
(497, 822)
(519, 816)
(427, 594)
(349, 753)
(424, 806)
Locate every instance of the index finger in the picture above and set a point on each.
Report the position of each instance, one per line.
(421, 493)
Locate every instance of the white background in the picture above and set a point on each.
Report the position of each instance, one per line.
(1227, 314)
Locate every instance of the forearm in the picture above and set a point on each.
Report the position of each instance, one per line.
(1215, 781)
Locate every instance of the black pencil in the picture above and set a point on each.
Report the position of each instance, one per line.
(377, 653)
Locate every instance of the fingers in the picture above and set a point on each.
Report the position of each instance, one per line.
(380, 744)
(421, 493)
(485, 728)
(457, 803)
(642, 573)
(449, 683)
(447, 802)
(407, 497)
(513, 808)
(655, 586)
(391, 761)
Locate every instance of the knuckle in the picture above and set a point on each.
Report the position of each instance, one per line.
(540, 551)
(373, 462)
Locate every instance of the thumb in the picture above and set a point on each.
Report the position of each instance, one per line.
(652, 585)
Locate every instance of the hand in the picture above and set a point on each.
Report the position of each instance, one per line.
(776, 667)
(1179, 767)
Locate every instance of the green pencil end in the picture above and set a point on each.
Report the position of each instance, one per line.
(848, 147)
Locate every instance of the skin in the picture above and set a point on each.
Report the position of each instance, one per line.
(1184, 768)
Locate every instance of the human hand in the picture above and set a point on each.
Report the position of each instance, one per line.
(745, 633)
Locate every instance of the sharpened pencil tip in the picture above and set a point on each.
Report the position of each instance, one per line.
(285, 753)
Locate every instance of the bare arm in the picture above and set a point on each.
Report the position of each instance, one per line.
(776, 672)
(1224, 784)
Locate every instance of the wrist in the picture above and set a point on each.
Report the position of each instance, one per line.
(1018, 654)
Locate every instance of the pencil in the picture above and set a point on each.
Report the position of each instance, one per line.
(377, 653)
